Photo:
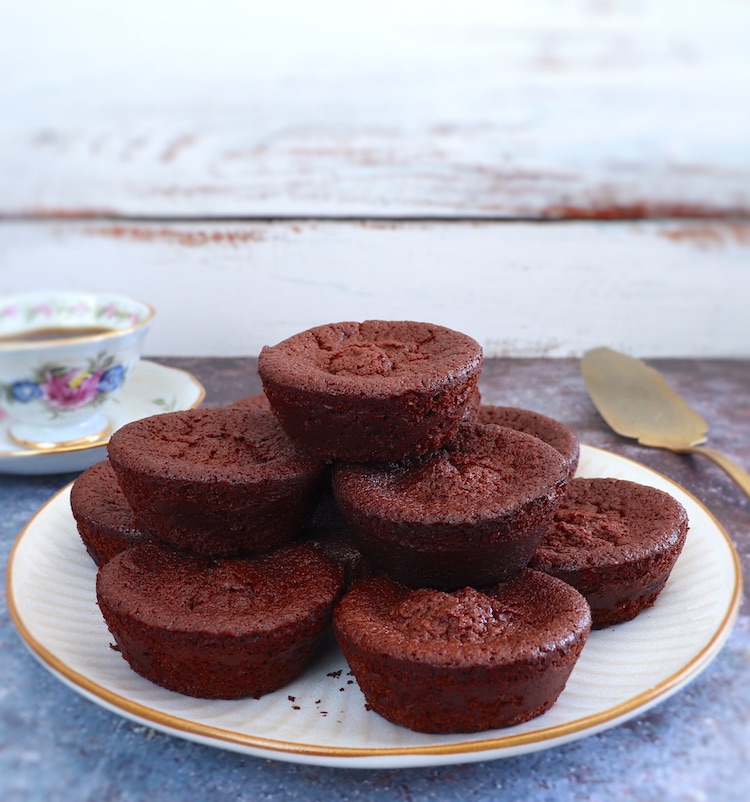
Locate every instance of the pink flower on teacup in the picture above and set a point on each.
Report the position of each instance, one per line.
(72, 389)
(43, 309)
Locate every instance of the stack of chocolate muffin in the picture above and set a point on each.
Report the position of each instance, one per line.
(460, 562)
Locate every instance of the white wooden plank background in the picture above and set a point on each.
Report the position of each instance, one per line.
(522, 289)
(587, 108)
(253, 168)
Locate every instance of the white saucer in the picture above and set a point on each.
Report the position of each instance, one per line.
(151, 389)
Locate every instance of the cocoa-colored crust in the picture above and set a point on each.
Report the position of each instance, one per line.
(218, 628)
(216, 482)
(105, 520)
(328, 532)
(552, 431)
(465, 661)
(616, 541)
(257, 401)
(471, 513)
(473, 407)
(377, 390)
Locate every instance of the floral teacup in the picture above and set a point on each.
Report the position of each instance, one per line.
(62, 356)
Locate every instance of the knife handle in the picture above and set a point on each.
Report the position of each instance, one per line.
(740, 475)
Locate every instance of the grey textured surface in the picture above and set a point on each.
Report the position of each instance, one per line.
(56, 745)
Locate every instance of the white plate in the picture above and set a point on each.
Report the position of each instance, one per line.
(151, 389)
(320, 718)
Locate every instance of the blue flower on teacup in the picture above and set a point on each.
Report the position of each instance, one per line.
(111, 379)
(25, 391)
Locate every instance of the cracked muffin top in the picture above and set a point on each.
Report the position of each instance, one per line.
(183, 593)
(520, 619)
(609, 520)
(227, 444)
(372, 357)
(485, 470)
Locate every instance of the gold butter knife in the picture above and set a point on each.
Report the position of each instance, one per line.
(636, 401)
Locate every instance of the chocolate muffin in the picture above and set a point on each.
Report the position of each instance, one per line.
(377, 390)
(552, 431)
(218, 628)
(105, 520)
(464, 661)
(328, 532)
(257, 401)
(472, 408)
(472, 513)
(217, 481)
(616, 542)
